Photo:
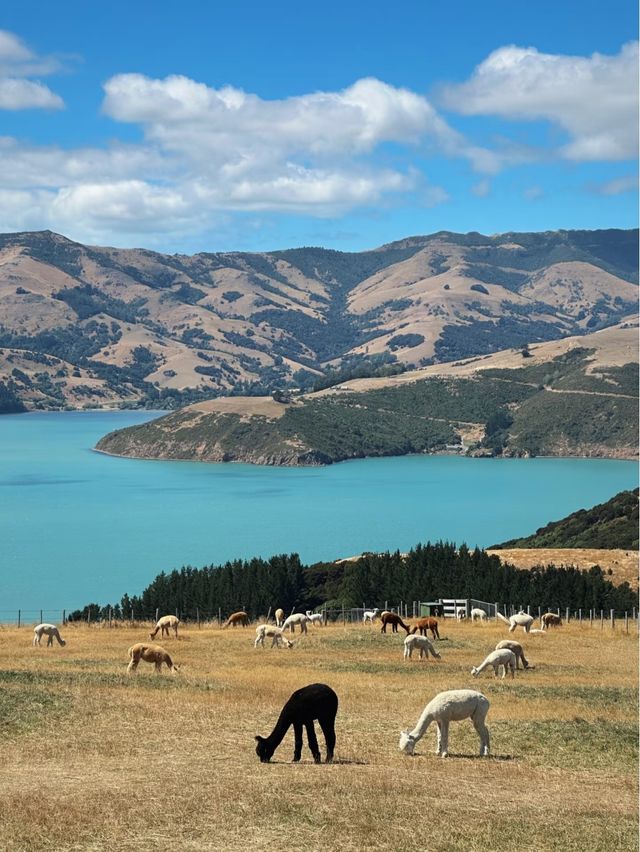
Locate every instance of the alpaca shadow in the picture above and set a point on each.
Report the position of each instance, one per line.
(334, 762)
(491, 757)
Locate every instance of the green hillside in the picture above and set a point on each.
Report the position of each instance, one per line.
(613, 524)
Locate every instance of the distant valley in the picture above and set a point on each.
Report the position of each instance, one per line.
(84, 326)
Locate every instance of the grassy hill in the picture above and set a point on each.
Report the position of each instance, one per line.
(85, 325)
(560, 400)
(613, 524)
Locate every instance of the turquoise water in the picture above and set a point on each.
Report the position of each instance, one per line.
(77, 526)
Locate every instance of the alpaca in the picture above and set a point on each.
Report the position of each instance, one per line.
(370, 615)
(446, 707)
(520, 619)
(427, 623)
(150, 654)
(316, 701)
(461, 613)
(299, 618)
(423, 644)
(550, 619)
(164, 624)
(516, 647)
(315, 617)
(503, 658)
(394, 620)
(235, 618)
(478, 614)
(52, 632)
(279, 616)
(274, 633)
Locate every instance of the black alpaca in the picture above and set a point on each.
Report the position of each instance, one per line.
(316, 701)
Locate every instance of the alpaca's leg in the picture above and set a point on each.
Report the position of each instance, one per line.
(444, 738)
(133, 665)
(158, 666)
(297, 736)
(328, 729)
(483, 733)
(49, 640)
(36, 639)
(313, 741)
(407, 652)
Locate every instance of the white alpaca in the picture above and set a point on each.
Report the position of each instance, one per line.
(446, 707)
(315, 617)
(164, 624)
(52, 632)
(279, 615)
(478, 614)
(496, 659)
(414, 642)
(299, 618)
(370, 615)
(274, 633)
(516, 647)
(520, 619)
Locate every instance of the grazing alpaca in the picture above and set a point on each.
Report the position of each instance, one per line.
(150, 654)
(316, 701)
(424, 624)
(235, 618)
(315, 617)
(299, 618)
(478, 614)
(279, 616)
(423, 644)
(52, 632)
(496, 659)
(446, 707)
(520, 619)
(550, 619)
(516, 647)
(370, 615)
(164, 624)
(394, 620)
(275, 633)
(461, 613)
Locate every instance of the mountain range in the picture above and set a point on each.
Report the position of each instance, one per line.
(84, 326)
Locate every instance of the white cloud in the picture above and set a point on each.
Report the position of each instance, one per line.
(18, 62)
(628, 183)
(533, 193)
(594, 99)
(481, 189)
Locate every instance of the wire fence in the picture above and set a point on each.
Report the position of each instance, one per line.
(442, 608)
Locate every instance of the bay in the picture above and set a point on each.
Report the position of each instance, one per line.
(77, 526)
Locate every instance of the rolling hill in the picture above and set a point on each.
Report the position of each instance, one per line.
(578, 396)
(85, 326)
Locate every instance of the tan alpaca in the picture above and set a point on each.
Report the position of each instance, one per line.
(52, 632)
(274, 633)
(155, 654)
(550, 619)
(236, 618)
(164, 624)
(279, 615)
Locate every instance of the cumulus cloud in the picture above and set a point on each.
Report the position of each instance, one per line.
(594, 99)
(17, 62)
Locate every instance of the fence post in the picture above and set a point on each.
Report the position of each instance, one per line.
(626, 622)
(64, 617)
(613, 620)
(132, 615)
(568, 615)
(19, 612)
(386, 604)
(496, 611)
(40, 616)
(88, 617)
(580, 616)
(157, 613)
(590, 618)
(344, 620)
(198, 615)
(110, 617)
(601, 619)
(539, 613)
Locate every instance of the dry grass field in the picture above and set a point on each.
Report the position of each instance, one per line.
(623, 564)
(92, 759)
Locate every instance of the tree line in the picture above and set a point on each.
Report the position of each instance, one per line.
(428, 572)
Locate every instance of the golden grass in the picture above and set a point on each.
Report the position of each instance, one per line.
(623, 564)
(92, 759)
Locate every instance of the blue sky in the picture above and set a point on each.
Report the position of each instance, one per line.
(201, 127)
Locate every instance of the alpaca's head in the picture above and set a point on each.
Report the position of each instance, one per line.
(407, 742)
(263, 750)
(287, 642)
(436, 654)
(474, 671)
(414, 630)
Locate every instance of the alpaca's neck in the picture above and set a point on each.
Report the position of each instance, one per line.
(482, 666)
(421, 728)
(277, 734)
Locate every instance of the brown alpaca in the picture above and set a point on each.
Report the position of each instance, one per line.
(150, 654)
(392, 619)
(550, 619)
(424, 624)
(235, 618)
(164, 624)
